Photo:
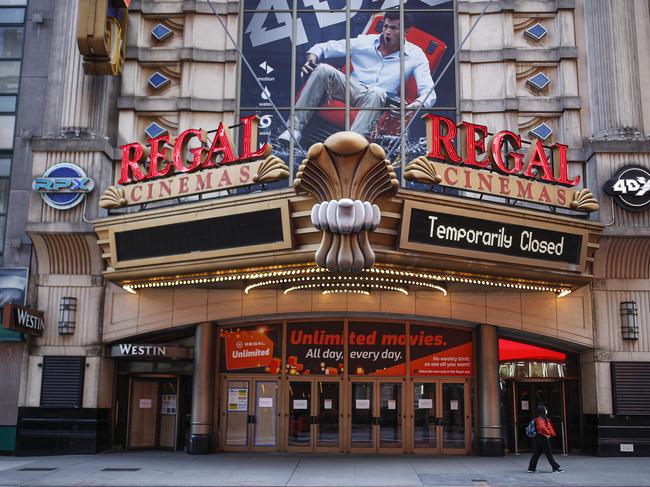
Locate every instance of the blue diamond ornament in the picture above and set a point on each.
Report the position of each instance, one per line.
(539, 81)
(154, 130)
(542, 131)
(157, 80)
(537, 32)
(161, 32)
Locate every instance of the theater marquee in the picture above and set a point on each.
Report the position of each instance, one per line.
(487, 235)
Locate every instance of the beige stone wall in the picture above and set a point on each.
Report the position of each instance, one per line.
(542, 314)
(198, 59)
(498, 59)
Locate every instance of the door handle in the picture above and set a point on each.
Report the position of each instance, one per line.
(251, 419)
(314, 420)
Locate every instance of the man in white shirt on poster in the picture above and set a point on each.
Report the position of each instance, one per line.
(375, 76)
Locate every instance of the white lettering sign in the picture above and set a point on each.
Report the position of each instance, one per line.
(131, 349)
(27, 320)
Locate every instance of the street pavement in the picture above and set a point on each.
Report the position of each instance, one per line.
(170, 469)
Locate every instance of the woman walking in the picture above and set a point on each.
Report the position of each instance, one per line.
(541, 441)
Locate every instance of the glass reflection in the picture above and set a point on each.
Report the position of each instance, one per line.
(328, 414)
(299, 413)
(390, 415)
(361, 428)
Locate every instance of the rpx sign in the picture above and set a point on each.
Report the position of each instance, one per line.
(63, 185)
(69, 185)
(630, 187)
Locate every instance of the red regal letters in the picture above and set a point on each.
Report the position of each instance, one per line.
(534, 164)
(220, 153)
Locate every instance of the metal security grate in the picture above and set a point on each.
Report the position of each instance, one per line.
(63, 379)
(631, 386)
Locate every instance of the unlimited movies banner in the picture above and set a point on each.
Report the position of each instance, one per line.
(378, 349)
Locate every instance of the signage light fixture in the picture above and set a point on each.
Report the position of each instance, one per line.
(67, 315)
(320, 278)
(629, 324)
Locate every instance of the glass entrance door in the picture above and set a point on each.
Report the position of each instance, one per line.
(143, 414)
(313, 417)
(328, 415)
(455, 418)
(362, 431)
(528, 396)
(300, 436)
(376, 416)
(250, 414)
(440, 416)
(425, 417)
(152, 413)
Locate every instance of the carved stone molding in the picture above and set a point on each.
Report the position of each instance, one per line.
(346, 174)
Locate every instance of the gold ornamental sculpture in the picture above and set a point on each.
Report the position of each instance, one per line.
(346, 174)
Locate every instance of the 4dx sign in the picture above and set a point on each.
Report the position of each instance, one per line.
(630, 187)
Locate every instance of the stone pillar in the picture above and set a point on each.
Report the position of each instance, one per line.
(613, 64)
(491, 442)
(202, 389)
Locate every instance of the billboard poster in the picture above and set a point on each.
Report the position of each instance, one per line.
(254, 350)
(377, 349)
(13, 290)
(299, 52)
(315, 348)
(440, 352)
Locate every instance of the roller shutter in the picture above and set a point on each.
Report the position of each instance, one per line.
(63, 379)
(631, 387)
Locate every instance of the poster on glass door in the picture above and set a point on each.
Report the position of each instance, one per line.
(315, 348)
(438, 352)
(249, 350)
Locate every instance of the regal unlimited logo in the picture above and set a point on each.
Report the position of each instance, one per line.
(630, 187)
(63, 186)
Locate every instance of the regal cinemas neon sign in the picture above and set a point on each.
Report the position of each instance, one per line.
(461, 156)
(497, 165)
(162, 171)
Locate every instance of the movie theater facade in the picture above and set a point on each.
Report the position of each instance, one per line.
(348, 313)
(349, 289)
(386, 274)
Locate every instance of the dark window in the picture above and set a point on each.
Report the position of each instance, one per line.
(631, 387)
(231, 231)
(63, 379)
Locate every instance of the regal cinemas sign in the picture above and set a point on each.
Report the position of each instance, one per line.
(189, 164)
(497, 165)
(461, 156)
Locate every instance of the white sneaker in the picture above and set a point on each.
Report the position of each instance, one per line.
(285, 137)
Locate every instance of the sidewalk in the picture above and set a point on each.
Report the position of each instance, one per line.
(265, 470)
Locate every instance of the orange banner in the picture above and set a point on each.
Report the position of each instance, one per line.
(248, 349)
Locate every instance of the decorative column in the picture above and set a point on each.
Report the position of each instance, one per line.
(613, 64)
(202, 389)
(491, 442)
